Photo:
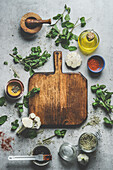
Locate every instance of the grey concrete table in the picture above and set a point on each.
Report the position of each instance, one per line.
(10, 36)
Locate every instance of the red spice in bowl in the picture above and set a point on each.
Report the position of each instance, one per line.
(96, 63)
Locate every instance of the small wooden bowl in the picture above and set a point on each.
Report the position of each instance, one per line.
(14, 82)
(23, 25)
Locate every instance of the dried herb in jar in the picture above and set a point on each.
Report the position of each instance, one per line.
(88, 141)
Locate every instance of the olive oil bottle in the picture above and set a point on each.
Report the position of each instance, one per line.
(88, 41)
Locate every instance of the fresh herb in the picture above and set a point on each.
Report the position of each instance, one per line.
(3, 119)
(83, 22)
(15, 51)
(20, 108)
(103, 99)
(65, 36)
(72, 48)
(30, 94)
(58, 133)
(34, 60)
(5, 63)
(15, 74)
(26, 100)
(15, 125)
(2, 101)
(107, 121)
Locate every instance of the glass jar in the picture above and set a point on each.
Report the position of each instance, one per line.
(67, 152)
(88, 142)
(88, 41)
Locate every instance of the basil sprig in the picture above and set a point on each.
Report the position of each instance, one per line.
(103, 99)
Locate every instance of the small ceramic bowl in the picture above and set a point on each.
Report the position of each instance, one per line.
(90, 140)
(14, 89)
(96, 63)
(41, 150)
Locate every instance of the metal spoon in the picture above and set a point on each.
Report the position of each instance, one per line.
(39, 157)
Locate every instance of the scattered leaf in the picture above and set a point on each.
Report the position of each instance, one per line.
(3, 119)
(2, 101)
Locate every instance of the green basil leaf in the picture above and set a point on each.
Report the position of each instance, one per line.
(99, 93)
(102, 87)
(65, 7)
(15, 125)
(56, 28)
(31, 72)
(27, 67)
(69, 10)
(68, 35)
(83, 22)
(15, 51)
(5, 63)
(75, 37)
(3, 119)
(63, 132)
(95, 104)
(94, 88)
(106, 120)
(58, 40)
(19, 56)
(67, 24)
(65, 31)
(61, 18)
(16, 60)
(2, 101)
(72, 48)
(26, 102)
(57, 16)
(67, 17)
(65, 46)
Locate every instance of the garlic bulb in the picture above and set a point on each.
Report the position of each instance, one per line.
(83, 159)
(73, 60)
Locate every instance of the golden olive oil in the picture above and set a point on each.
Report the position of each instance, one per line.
(88, 41)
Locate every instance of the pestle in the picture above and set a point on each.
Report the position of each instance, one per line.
(32, 23)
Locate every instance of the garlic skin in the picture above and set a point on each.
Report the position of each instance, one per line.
(27, 122)
(73, 59)
(32, 116)
(83, 159)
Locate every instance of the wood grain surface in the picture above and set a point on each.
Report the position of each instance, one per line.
(62, 100)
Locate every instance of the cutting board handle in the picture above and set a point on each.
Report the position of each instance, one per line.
(58, 61)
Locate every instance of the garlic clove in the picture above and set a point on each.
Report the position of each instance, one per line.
(32, 115)
(27, 122)
(38, 122)
(83, 159)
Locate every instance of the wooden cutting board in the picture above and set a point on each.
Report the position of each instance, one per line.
(62, 100)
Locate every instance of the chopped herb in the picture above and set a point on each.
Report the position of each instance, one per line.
(83, 22)
(15, 125)
(3, 119)
(5, 63)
